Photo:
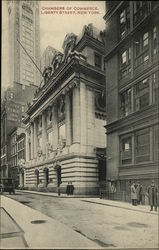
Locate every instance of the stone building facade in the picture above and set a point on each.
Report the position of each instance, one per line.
(132, 96)
(65, 123)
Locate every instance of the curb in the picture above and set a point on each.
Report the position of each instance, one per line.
(54, 195)
(111, 205)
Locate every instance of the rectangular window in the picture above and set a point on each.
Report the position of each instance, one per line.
(11, 95)
(98, 60)
(62, 135)
(126, 103)
(142, 94)
(142, 145)
(154, 41)
(142, 49)
(126, 150)
(141, 10)
(124, 22)
(50, 137)
(155, 86)
(125, 60)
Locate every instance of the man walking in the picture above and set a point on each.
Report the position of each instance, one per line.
(152, 194)
(133, 194)
(139, 192)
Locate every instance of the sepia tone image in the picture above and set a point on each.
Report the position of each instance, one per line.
(79, 125)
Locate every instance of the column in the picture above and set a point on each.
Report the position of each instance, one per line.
(44, 134)
(32, 140)
(68, 119)
(26, 145)
(151, 144)
(132, 100)
(76, 115)
(54, 125)
(35, 139)
(83, 113)
(150, 90)
(133, 149)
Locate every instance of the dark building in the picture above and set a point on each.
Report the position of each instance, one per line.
(14, 103)
(16, 153)
(132, 93)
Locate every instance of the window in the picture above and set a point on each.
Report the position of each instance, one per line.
(49, 118)
(125, 59)
(62, 134)
(98, 60)
(142, 145)
(50, 137)
(11, 95)
(40, 142)
(126, 150)
(126, 103)
(154, 41)
(142, 94)
(141, 9)
(156, 142)
(124, 22)
(155, 86)
(23, 109)
(142, 49)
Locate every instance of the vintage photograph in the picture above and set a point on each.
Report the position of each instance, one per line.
(79, 125)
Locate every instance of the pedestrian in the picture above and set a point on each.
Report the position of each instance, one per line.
(68, 189)
(152, 194)
(139, 192)
(133, 194)
(71, 188)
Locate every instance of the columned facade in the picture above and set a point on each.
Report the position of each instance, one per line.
(67, 125)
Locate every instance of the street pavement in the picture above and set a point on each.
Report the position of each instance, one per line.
(106, 224)
(48, 233)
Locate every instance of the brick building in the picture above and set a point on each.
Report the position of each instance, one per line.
(132, 93)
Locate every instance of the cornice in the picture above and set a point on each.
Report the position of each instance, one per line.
(132, 121)
(91, 42)
(75, 66)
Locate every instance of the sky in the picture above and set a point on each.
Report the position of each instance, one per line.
(55, 26)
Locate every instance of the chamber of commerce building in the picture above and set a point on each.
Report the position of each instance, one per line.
(65, 134)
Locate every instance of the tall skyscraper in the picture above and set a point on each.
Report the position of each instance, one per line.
(24, 26)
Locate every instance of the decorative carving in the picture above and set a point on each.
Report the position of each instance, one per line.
(28, 104)
(21, 163)
(69, 44)
(57, 60)
(40, 152)
(100, 101)
(49, 147)
(61, 107)
(47, 73)
(103, 36)
(88, 29)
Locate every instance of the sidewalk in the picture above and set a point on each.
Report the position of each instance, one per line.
(48, 233)
(119, 204)
(97, 200)
(55, 194)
